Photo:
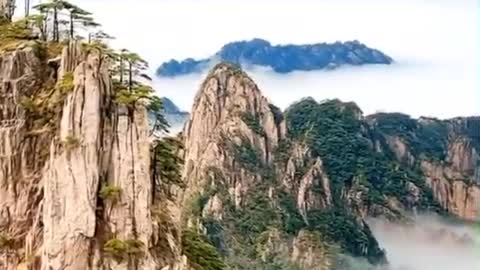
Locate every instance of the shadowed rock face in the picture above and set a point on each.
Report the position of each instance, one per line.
(281, 58)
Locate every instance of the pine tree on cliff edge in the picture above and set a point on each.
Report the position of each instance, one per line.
(76, 16)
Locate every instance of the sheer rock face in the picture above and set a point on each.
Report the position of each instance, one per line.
(49, 182)
(454, 181)
(227, 95)
(72, 174)
(453, 191)
(300, 161)
(464, 158)
(21, 156)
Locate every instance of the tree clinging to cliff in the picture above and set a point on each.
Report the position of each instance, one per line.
(76, 17)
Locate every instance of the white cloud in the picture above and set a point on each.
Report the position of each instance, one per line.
(416, 89)
(435, 44)
(431, 244)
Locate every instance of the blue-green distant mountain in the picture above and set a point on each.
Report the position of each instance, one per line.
(175, 117)
(281, 58)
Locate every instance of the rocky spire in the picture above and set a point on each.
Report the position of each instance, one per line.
(75, 180)
(229, 108)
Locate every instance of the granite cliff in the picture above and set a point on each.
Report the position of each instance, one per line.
(76, 190)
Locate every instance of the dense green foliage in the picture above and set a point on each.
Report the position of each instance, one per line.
(167, 165)
(472, 130)
(340, 226)
(123, 249)
(66, 84)
(429, 138)
(335, 133)
(247, 156)
(253, 122)
(282, 151)
(292, 221)
(70, 142)
(110, 193)
(197, 204)
(200, 253)
(257, 215)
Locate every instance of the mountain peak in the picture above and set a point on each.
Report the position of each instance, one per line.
(227, 84)
(227, 68)
(229, 109)
(281, 58)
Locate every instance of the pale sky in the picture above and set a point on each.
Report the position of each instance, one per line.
(434, 43)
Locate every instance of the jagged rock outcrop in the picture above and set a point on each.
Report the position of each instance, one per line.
(55, 166)
(455, 193)
(226, 107)
(22, 157)
(302, 183)
(72, 174)
(453, 172)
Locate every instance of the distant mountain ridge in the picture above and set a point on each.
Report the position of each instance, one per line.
(175, 117)
(169, 106)
(281, 58)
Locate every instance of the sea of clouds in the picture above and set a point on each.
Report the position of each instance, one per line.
(434, 43)
(432, 243)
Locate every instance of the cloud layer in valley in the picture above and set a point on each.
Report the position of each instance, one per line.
(432, 244)
(434, 43)
(419, 90)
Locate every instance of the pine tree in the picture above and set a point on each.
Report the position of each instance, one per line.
(135, 67)
(167, 165)
(76, 16)
(99, 36)
(53, 7)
